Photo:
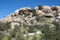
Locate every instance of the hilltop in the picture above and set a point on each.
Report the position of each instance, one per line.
(40, 23)
(22, 14)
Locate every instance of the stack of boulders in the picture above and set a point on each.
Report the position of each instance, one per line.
(35, 16)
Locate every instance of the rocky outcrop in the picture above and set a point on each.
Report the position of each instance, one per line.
(30, 16)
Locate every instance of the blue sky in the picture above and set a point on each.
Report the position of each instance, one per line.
(9, 6)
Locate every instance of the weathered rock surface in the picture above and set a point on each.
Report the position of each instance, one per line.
(28, 16)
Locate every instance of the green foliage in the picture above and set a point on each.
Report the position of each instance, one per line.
(31, 29)
(54, 8)
(1, 36)
(57, 30)
(5, 38)
(4, 26)
(40, 7)
(34, 13)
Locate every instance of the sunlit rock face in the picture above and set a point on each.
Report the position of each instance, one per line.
(58, 7)
(28, 16)
(24, 8)
(46, 9)
(40, 13)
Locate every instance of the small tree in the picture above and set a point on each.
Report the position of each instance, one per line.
(57, 30)
(40, 7)
(54, 8)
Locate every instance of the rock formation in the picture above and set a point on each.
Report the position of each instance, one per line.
(28, 16)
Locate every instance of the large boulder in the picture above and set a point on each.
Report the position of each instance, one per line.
(46, 9)
(24, 8)
(58, 17)
(40, 13)
(58, 7)
(58, 14)
(49, 15)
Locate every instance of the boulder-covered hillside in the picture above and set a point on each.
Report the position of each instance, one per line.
(27, 15)
(38, 17)
(40, 23)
